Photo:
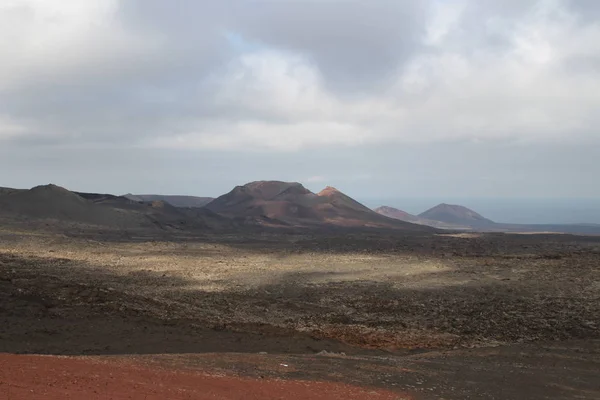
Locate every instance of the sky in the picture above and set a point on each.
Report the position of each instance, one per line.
(383, 99)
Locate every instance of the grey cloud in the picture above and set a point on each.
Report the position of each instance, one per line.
(354, 43)
(586, 10)
(192, 32)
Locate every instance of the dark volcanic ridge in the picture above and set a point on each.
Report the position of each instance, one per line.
(52, 203)
(174, 200)
(256, 205)
(264, 204)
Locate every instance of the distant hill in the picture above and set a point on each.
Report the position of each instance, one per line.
(257, 204)
(56, 203)
(59, 205)
(392, 212)
(103, 197)
(5, 190)
(456, 215)
(176, 201)
(290, 203)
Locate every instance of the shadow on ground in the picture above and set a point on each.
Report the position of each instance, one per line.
(55, 306)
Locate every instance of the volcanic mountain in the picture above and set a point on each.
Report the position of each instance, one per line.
(176, 201)
(290, 203)
(59, 205)
(456, 215)
(49, 202)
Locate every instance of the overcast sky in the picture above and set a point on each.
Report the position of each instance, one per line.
(381, 98)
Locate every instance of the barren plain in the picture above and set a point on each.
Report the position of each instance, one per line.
(424, 316)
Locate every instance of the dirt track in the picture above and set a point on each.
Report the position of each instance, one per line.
(52, 378)
(559, 370)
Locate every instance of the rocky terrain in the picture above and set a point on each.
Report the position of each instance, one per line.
(412, 312)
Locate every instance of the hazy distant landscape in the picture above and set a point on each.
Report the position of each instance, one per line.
(268, 204)
(517, 211)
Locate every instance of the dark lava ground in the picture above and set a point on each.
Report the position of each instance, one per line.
(454, 316)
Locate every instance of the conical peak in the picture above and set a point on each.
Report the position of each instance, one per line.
(328, 191)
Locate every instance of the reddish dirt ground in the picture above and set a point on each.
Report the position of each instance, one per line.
(57, 378)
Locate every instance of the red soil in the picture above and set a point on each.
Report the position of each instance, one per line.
(58, 378)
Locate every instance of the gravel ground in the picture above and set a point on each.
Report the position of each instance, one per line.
(368, 295)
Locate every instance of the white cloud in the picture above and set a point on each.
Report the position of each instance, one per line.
(259, 135)
(50, 41)
(274, 84)
(9, 128)
(540, 84)
(315, 179)
(522, 92)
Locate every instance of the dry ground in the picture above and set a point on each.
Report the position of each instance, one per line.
(452, 316)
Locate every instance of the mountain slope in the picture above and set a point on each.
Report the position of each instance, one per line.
(56, 203)
(59, 205)
(176, 201)
(273, 199)
(457, 215)
(290, 203)
(392, 212)
(339, 199)
(5, 190)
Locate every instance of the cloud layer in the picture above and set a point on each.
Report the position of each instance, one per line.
(290, 75)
